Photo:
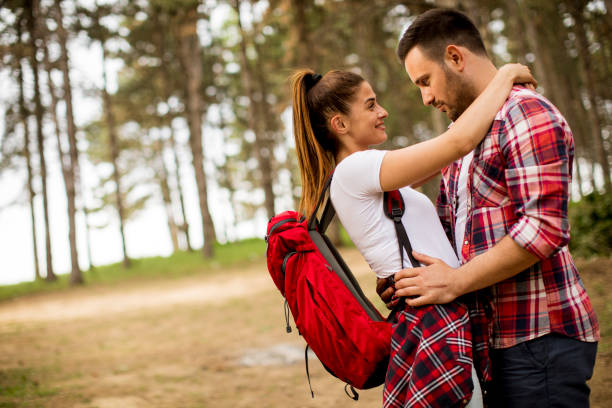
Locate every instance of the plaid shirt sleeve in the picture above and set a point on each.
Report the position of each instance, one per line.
(538, 149)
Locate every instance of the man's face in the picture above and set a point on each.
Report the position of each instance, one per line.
(440, 85)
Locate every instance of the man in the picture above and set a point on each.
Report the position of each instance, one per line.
(505, 209)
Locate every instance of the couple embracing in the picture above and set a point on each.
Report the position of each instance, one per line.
(508, 320)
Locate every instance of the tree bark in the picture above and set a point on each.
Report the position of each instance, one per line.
(609, 11)
(525, 18)
(576, 8)
(68, 164)
(256, 119)
(300, 34)
(164, 81)
(162, 176)
(184, 227)
(114, 153)
(189, 51)
(300, 53)
(33, 9)
(479, 14)
(23, 112)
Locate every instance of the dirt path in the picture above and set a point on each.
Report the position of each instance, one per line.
(93, 302)
(117, 300)
(182, 343)
(166, 343)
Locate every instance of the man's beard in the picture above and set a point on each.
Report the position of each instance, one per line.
(460, 93)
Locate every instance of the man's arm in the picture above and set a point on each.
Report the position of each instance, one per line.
(439, 283)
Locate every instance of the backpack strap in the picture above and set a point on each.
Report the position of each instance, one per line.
(394, 209)
(328, 210)
(307, 371)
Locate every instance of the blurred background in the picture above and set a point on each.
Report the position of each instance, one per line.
(151, 139)
(138, 128)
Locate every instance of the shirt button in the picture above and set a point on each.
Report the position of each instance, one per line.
(465, 242)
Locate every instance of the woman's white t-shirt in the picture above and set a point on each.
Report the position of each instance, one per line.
(358, 199)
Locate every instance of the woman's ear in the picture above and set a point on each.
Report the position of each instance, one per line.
(338, 124)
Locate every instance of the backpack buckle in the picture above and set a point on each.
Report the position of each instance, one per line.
(396, 212)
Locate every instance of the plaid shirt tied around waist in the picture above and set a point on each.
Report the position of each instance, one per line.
(431, 358)
(518, 185)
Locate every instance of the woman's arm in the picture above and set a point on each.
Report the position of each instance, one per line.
(416, 163)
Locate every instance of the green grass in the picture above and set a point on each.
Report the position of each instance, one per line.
(17, 383)
(176, 265)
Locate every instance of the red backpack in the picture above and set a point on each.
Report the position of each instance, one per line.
(346, 332)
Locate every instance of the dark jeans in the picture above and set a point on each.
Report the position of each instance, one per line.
(549, 371)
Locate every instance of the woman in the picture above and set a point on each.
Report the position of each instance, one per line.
(336, 119)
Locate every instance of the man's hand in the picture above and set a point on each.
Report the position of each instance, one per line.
(386, 291)
(434, 283)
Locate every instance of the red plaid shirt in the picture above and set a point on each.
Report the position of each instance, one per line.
(430, 365)
(518, 185)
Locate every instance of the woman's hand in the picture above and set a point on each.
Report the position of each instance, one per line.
(518, 74)
(386, 291)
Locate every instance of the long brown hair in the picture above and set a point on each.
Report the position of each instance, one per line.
(315, 100)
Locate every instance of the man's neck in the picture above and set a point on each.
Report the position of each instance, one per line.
(482, 73)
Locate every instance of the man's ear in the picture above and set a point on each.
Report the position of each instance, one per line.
(454, 58)
(338, 124)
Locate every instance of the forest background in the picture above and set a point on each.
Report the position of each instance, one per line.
(133, 128)
(156, 134)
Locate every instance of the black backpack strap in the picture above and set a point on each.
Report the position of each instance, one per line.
(328, 211)
(351, 392)
(307, 371)
(394, 209)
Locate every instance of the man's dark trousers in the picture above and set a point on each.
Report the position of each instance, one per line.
(549, 371)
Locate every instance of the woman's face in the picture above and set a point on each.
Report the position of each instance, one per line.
(366, 120)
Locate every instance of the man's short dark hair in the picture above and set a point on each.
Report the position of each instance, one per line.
(437, 28)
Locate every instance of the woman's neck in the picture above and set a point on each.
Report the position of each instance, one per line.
(341, 155)
(345, 152)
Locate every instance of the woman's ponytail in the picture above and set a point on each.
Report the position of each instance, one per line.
(315, 163)
(315, 100)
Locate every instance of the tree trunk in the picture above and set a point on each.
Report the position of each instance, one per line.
(300, 34)
(300, 53)
(167, 90)
(87, 233)
(480, 16)
(189, 50)
(162, 176)
(609, 11)
(581, 131)
(114, 153)
(263, 149)
(543, 63)
(33, 8)
(576, 9)
(184, 227)
(526, 18)
(67, 164)
(26, 148)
